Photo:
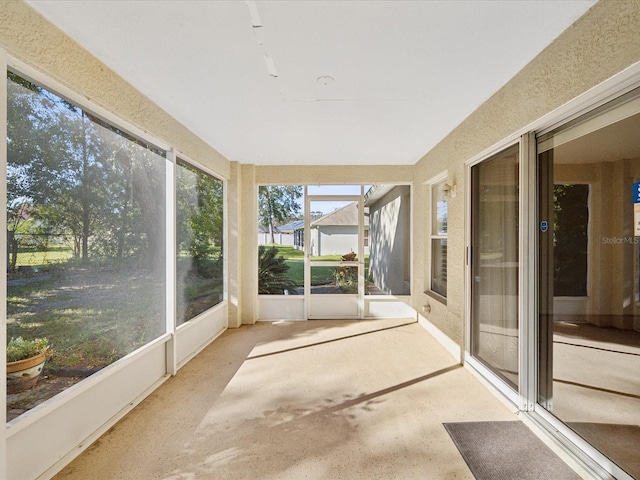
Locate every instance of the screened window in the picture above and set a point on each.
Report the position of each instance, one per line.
(200, 260)
(86, 230)
(280, 240)
(439, 218)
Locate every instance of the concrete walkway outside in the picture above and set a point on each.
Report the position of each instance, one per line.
(316, 400)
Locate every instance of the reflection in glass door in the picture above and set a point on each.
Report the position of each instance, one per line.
(589, 310)
(494, 264)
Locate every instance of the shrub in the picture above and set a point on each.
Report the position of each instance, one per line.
(347, 277)
(20, 349)
(273, 275)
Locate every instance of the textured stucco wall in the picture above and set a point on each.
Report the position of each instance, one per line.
(30, 38)
(389, 229)
(600, 44)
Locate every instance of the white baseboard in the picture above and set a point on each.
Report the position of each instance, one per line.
(452, 347)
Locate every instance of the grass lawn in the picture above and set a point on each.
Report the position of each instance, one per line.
(295, 260)
(319, 275)
(91, 316)
(53, 254)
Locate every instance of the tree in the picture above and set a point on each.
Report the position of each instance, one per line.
(54, 161)
(146, 174)
(200, 203)
(278, 204)
(82, 177)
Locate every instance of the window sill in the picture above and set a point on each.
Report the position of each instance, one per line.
(436, 296)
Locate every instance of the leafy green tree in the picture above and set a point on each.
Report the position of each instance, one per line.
(54, 160)
(278, 204)
(83, 177)
(144, 180)
(200, 205)
(199, 211)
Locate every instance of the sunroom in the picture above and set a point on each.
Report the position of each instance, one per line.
(479, 163)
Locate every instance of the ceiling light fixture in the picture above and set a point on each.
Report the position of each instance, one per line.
(325, 80)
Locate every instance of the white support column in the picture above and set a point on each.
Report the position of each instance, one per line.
(232, 245)
(527, 311)
(248, 242)
(170, 253)
(361, 272)
(3, 262)
(307, 253)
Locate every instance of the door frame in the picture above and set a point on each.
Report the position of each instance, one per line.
(312, 311)
(574, 447)
(523, 397)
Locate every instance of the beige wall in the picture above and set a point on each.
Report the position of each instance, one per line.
(389, 230)
(600, 44)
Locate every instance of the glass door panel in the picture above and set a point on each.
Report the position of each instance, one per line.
(494, 265)
(589, 273)
(333, 251)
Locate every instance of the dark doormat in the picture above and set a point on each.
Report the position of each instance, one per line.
(506, 451)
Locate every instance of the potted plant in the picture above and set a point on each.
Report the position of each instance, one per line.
(25, 362)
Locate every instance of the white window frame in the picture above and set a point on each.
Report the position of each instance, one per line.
(432, 185)
(153, 363)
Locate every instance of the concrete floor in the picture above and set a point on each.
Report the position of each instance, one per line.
(317, 399)
(596, 388)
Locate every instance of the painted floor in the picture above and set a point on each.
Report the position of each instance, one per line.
(295, 400)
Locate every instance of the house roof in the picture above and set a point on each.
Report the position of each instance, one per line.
(347, 215)
(291, 226)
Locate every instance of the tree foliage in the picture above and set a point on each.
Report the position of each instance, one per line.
(278, 204)
(571, 239)
(77, 176)
(200, 207)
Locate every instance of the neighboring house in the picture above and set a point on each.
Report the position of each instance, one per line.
(263, 235)
(288, 233)
(389, 220)
(283, 235)
(336, 233)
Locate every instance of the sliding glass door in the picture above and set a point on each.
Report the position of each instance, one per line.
(494, 265)
(589, 279)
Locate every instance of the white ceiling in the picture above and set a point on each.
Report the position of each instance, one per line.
(405, 73)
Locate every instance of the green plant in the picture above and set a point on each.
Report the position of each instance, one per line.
(273, 275)
(347, 277)
(20, 349)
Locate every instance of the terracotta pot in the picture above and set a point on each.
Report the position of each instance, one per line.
(24, 374)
